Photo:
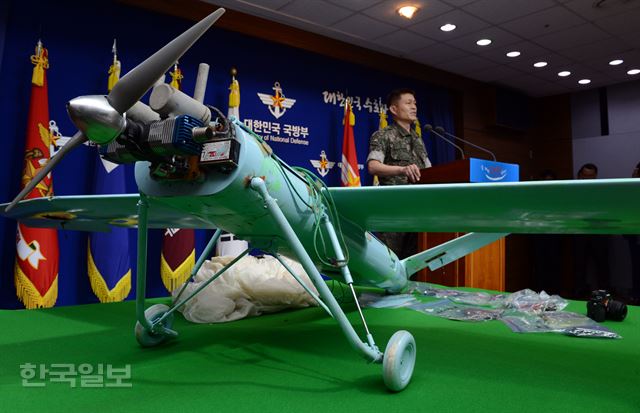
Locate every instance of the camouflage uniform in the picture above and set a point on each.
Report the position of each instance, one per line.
(395, 146)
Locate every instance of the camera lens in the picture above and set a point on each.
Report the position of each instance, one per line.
(616, 310)
(596, 311)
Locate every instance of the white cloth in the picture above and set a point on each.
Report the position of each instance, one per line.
(252, 286)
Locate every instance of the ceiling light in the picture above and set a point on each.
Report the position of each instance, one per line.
(616, 62)
(564, 73)
(515, 53)
(539, 64)
(633, 72)
(448, 27)
(584, 81)
(407, 11)
(483, 42)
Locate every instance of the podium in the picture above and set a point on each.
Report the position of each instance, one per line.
(484, 268)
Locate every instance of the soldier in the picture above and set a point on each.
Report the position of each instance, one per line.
(396, 155)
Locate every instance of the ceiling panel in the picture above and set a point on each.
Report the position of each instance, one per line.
(528, 50)
(586, 9)
(355, 5)
(554, 62)
(404, 41)
(494, 73)
(387, 11)
(466, 64)
(499, 38)
(499, 11)
(543, 22)
(595, 49)
(575, 36)
(267, 4)
(319, 12)
(465, 23)
(364, 27)
(620, 23)
(435, 53)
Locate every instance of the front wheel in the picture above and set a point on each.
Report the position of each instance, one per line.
(148, 338)
(399, 360)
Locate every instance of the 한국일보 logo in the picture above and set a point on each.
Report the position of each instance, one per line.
(278, 103)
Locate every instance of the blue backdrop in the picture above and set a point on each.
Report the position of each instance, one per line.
(79, 36)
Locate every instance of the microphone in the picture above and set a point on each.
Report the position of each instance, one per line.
(441, 130)
(437, 133)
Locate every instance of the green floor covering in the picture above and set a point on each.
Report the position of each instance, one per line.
(298, 361)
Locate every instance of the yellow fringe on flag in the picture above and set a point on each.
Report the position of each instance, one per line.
(173, 279)
(42, 62)
(383, 119)
(114, 74)
(234, 94)
(29, 295)
(176, 77)
(418, 128)
(99, 286)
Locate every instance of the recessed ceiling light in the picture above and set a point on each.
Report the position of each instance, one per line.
(584, 81)
(564, 73)
(483, 42)
(633, 72)
(616, 62)
(407, 11)
(448, 27)
(539, 64)
(515, 53)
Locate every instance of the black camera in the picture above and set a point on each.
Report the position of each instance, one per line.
(601, 307)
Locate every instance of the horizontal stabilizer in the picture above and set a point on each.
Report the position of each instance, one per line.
(448, 252)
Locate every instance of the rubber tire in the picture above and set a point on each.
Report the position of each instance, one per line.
(147, 338)
(399, 360)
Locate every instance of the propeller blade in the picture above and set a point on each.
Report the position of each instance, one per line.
(138, 81)
(76, 140)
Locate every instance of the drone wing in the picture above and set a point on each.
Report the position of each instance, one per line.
(100, 212)
(604, 206)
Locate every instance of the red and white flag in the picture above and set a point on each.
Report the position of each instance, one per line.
(350, 172)
(36, 268)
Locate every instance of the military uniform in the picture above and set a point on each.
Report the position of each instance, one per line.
(395, 146)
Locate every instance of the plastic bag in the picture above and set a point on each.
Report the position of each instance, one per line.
(452, 311)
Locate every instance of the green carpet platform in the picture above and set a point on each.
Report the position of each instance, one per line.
(298, 361)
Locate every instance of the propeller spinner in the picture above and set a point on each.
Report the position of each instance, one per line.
(101, 119)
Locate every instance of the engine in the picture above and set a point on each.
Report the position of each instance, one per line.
(177, 135)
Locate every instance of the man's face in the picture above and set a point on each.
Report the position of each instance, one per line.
(405, 108)
(587, 173)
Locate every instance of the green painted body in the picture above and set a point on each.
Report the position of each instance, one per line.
(227, 202)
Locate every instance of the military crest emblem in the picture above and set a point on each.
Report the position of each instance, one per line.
(277, 103)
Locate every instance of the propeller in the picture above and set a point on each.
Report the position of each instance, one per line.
(101, 119)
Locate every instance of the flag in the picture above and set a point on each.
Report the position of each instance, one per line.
(36, 266)
(108, 261)
(350, 173)
(383, 124)
(178, 254)
(234, 96)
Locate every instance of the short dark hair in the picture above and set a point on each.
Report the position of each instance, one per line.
(638, 165)
(395, 95)
(588, 166)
